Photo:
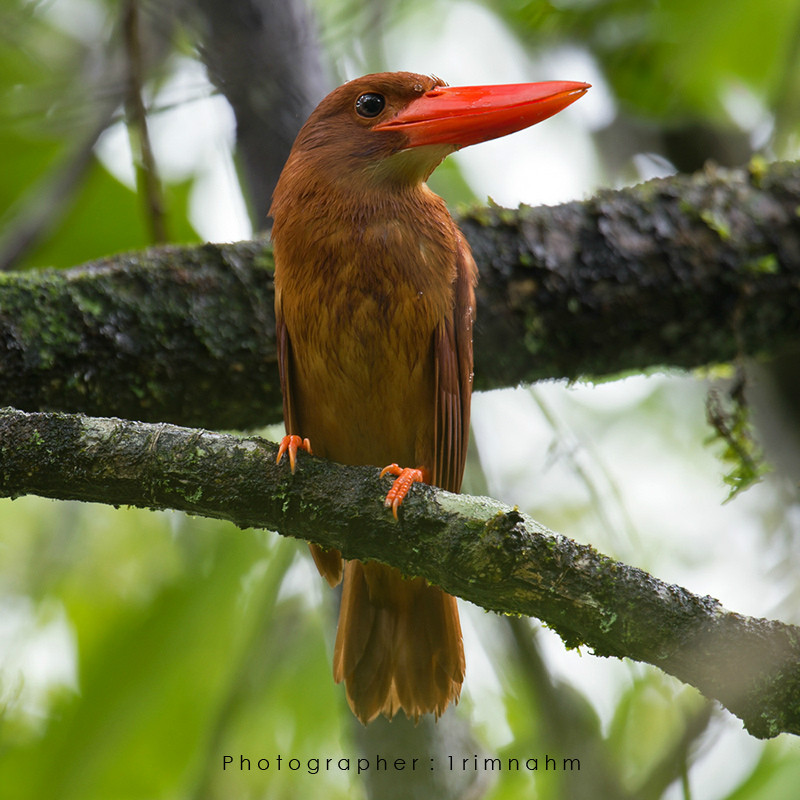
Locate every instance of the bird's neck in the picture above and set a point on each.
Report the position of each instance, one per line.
(313, 207)
(328, 230)
(315, 189)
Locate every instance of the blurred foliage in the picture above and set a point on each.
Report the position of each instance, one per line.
(58, 93)
(138, 649)
(181, 628)
(670, 59)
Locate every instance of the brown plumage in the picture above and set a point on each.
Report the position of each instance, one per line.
(374, 306)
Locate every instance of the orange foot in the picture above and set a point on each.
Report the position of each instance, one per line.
(402, 483)
(291, 444)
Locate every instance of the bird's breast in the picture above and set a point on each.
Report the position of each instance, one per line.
(361, 322)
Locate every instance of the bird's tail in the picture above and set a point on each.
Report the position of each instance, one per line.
(398, 645)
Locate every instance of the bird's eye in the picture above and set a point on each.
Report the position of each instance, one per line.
(370, 105)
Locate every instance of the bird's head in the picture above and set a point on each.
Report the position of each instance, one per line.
(396, 127)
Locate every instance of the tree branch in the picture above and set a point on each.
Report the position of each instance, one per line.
(175, 334)
(679, 272)
(265, 56)
(473, 547)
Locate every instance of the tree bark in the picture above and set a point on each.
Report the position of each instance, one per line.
(264, 56)
(473, 547)
(677, 272)
(174, 334)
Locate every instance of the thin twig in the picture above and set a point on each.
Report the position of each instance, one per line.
(147, 179)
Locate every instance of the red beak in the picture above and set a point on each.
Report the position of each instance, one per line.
(464, 115)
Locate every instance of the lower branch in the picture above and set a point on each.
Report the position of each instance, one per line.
(473, 547)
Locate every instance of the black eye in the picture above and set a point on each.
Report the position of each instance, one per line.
(370, 105)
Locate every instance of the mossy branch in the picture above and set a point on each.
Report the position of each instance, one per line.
(681, 272)
(473, 547)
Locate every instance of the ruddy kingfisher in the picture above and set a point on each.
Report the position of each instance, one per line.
(374, 302)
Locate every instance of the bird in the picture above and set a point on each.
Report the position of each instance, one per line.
(374, 307)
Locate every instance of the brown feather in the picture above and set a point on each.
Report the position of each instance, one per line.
(374, 302)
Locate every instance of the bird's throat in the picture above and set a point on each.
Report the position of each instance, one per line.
(408, 167)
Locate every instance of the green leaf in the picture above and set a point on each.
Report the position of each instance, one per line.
(105, 217)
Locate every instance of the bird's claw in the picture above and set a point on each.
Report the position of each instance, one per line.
(291, 444)
(405, 477)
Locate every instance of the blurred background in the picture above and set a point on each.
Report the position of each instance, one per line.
(138, 648)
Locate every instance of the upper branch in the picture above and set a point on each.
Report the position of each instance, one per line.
(682, 271)
(472, 547)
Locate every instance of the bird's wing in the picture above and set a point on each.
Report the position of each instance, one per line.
(329, 562)
(285, 368)
(453, 355)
